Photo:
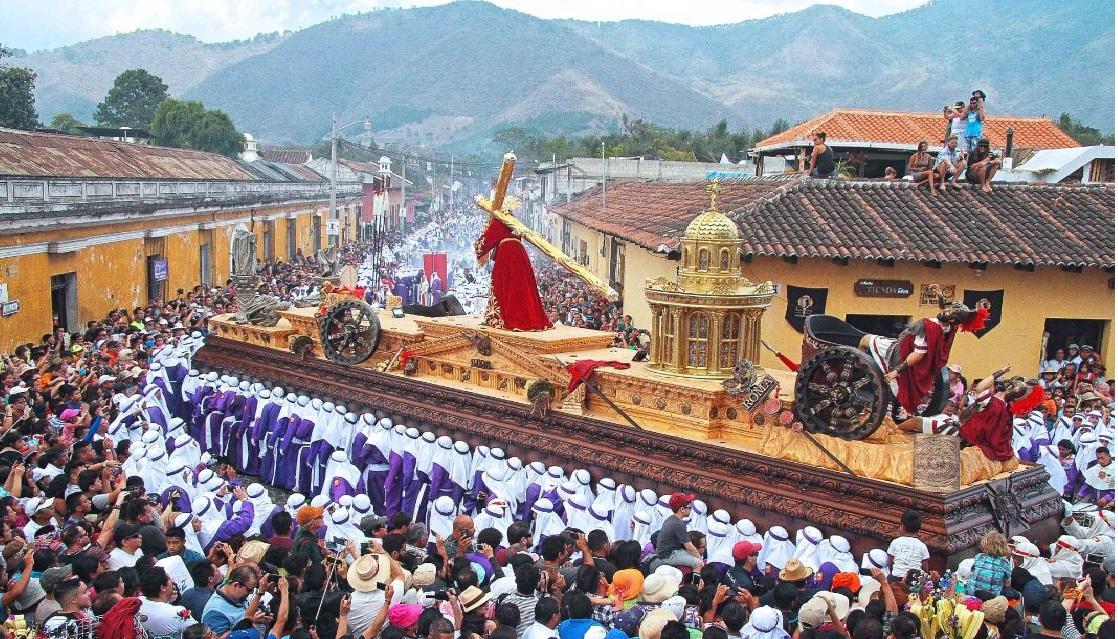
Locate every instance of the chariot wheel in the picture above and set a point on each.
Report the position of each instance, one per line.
(350, 332)
(840, 391)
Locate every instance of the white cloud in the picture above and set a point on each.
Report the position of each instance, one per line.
(41, 24)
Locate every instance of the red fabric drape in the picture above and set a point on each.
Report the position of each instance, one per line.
(582, 370)
(514, 302)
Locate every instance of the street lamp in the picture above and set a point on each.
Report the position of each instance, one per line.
(334, 129)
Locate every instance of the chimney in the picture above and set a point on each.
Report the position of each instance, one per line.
(1007, 161)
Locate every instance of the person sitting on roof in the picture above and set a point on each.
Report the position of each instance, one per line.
(950, 160)
(982, 165)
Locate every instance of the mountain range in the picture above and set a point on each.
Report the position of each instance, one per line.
(452, 74)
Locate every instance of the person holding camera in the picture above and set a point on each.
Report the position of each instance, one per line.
(956, 116)
(950, 160)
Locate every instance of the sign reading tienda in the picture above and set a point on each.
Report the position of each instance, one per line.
(883, 288)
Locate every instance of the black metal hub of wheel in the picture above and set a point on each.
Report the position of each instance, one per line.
(350, 332)
(840, 391)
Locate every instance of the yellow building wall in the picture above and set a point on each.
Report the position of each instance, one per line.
(1030, 299)
(114, 274)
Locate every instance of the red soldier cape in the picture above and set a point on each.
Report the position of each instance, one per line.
(582, 370)
(514, 302)
(991, 429)
(914, 383)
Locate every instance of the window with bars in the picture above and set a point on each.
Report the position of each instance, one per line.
(698, 329)
(728, 348)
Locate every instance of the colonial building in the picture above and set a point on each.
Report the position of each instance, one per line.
(91, 225)
(866, 252)
(868, 141)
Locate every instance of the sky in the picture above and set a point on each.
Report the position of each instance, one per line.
(46, 24)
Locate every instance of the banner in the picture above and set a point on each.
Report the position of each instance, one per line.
(994, 298)
(803, 302)
(436, 263)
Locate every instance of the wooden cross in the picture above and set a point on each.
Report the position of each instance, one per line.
(714, 188)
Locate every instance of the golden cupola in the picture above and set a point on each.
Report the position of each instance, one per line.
(710, 317)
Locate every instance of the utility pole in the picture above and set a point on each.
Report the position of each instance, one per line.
(334, 171)
(404, 189)
(603, 176)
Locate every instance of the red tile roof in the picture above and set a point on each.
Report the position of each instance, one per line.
(781, 217)
(846, 127)
(54, 155)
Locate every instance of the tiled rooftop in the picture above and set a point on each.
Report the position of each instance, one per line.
(846, 126)
(796, 216)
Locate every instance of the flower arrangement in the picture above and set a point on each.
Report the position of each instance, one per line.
(944, 612)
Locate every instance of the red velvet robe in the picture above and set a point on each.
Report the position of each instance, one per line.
(514, 301)
(914, 383)
(991, 429)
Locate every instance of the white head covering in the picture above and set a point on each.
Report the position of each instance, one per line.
(600, 519)
(362, 506)
(836, 550)
(1050, 459)
(441, 517)
(720, 542)
(765, 622)
(547, 522)
(185, 521)
(646, 501)
(876, 558)
(642, 527)
(577, 510)
(341, 526)
(623, 512)
(295, 501)
(1032, 561)
(496, 514)
(425, 453)
(607, 492)
(747, 531)
(808, 539)
(339, 467)
(698, 519)
(776, 549)
(262, 507)
(1066, 562)
(460, 467)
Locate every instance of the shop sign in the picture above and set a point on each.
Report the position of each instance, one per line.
(883, 288)
(9, 308)
(929, 298)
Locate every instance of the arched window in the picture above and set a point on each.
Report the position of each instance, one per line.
(728, 348)
(704, 259)
(724, 259)
(698, 329)
(667, 341)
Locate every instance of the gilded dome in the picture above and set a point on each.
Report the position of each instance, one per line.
(711, 225)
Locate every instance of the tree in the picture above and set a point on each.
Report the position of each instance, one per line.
(187, 124)
(132, 101)
(1083, 134)
(66, 123)
(17, 96)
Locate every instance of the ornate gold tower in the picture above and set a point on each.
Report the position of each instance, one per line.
(710, 318)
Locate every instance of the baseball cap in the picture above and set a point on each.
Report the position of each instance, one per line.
(743, 549)
(51, 577)
(679, 500)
